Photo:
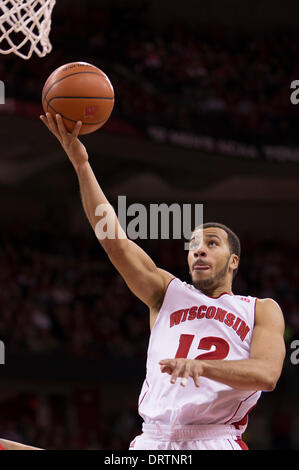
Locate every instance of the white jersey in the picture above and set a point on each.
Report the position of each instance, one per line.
(193, 325)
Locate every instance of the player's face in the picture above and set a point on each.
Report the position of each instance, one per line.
(209, 258)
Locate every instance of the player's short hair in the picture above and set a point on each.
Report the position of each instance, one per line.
(233, 239)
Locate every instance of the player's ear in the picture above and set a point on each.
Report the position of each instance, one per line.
(234, 261)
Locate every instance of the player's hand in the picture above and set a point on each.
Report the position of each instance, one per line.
(74, 149)
(184, 368)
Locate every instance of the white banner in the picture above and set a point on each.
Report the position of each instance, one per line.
(225, 147)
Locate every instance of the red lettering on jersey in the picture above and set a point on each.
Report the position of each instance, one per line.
(237, 323)
(175, 317)
(192, 313)
(220, 314)
(221, 348)
(211, 312)
(243, 330)
(201, 311)
(185, 314)
(230, 318)
(245, 299)
(184, 346)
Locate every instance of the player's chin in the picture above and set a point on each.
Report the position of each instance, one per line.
(201, 279)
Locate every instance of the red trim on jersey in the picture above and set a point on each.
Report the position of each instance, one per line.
(168, 284)
(133, 442)
(238, 409)
(244, 420)
(144, 393)
(241, 443)
(254, 311)
(222, 293)
(231, 444)
(1, 447)
(172, 279)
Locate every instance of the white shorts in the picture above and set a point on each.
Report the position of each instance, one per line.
(193, 437)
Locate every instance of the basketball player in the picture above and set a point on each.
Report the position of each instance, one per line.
(225, 348)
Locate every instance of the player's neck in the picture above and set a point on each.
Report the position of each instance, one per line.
(217, 291)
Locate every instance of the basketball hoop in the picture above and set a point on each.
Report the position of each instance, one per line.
(25, 27)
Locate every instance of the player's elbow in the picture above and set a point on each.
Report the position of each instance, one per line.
(270, 381)
(267, 373)
(269, 385)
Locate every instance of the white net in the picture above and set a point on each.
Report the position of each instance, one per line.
(25, 27)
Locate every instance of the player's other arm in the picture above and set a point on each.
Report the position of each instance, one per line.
(140, 273)
(11, 445)
(267, 345)
(263, 368)
(267, 352)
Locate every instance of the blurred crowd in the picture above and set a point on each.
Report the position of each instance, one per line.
(52, 302)
(61, 421)
(196, 80)
(61, 295)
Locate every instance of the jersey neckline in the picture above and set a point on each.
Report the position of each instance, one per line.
(193, 287)
(222, 293)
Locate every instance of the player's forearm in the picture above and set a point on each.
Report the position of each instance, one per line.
(248, 374)
(94, 199)
(91, 192)
(11, 445)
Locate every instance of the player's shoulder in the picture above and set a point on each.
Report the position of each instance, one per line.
(245, 298)
(267, 303)
(169, 278)
(166, 276)
(260, 303)
(268, 310)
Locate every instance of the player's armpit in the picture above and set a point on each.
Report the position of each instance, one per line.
(267, 343)
(142, 276)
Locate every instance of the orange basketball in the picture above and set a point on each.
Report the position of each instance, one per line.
(79, 92)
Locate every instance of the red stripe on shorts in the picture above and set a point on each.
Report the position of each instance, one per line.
(241, 444)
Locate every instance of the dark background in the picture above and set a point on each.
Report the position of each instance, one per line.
(202, 115)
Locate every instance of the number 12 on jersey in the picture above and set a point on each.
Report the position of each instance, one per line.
(220, 352)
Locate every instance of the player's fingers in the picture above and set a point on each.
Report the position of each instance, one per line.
(44, 120)
(76, 129)
(196, 377)
(46, 123)
(168, 362)
(165, 365)
(196, 380)
(176, 372)
(61, 129)
(185, 374)
(52, 125)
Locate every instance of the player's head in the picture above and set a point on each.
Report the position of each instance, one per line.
(214, 255)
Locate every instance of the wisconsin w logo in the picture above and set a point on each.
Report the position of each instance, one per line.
(90, 110)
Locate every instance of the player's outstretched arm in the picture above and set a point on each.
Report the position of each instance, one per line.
(260, 372)
(139, 271)
(11, 445)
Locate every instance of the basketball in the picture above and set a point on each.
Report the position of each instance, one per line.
(79, 91)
